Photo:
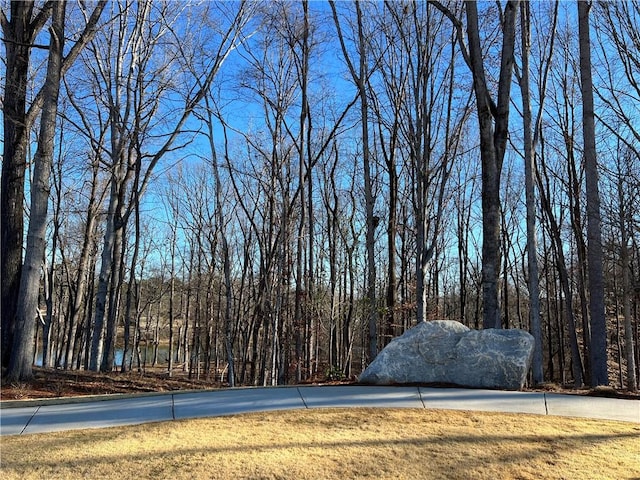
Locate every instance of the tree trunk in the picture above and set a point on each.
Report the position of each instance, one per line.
(300, 323)
(226, 260)
(492, 148)
(49, 279)
(627, 288)
(598, 354)
(371, 220)
(103, 283)
(18, 36)
(529, 169)
(576, 360)
(359, 78)
(20, 364)
(132, 286)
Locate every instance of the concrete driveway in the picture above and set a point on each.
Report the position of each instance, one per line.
(18, 418)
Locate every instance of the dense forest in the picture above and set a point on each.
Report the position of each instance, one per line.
(269, 192)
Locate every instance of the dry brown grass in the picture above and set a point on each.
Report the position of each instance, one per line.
(336, 444)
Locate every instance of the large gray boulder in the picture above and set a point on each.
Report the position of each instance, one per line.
(444, 351)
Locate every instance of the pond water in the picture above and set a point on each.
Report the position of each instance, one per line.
(163, 355)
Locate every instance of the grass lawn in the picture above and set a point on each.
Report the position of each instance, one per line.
(335, 444)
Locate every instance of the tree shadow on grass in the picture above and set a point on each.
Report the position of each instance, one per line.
(480, 450)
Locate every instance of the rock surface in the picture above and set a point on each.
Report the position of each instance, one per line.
(444, 351)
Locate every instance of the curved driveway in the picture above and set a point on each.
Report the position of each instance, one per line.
(18, 418)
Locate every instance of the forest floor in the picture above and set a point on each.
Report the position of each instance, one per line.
(54, 383)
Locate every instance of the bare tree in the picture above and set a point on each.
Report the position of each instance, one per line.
(360, 77)
(209, 118)
(123, 62)
(493, 141)
(20, 365)
(531, 137)
(20, 32)
(532, 262)
(598, 352)
(626, 198)
(616, 25)
(493, 121)
(559, 186)
(418, 68)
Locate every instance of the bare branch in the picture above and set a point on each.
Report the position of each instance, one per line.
(41, 18)
(86, 36)
(458, 26)
(4, 22)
